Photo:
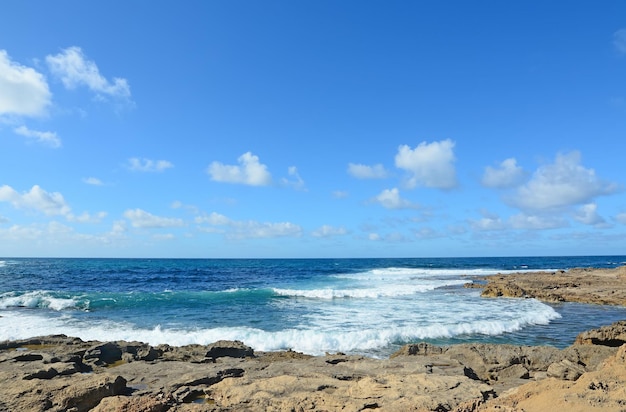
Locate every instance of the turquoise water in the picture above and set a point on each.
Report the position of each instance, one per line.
(366, 306)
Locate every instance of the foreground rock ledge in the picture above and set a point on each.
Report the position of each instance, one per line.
(60, 373)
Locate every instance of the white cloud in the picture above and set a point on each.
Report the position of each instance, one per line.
(373, 237)
(524, 221)
(390, 199)
(74, 70)
(249, 172)
(426, 233)
(329, 231)
(48, 138)
(297, 182)
(235, 229)
(588, 215)
(163, 236)
(619, 40)
(488, 222)
(429, 164)
(147, 165)
(87, 217)
(93, 181)
(3, 219)
(215, 219)
(253, 229)
(50, 204)
(621, 218)
(141, 219)
(560, 184)
(508, 174)
(361, 171)
(23, 91)
(340, 194)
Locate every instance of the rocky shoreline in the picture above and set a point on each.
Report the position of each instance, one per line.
(583, 285)
(60, 373)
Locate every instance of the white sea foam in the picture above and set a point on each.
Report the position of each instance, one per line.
(389, 290)
(332, 331)
(36, 299)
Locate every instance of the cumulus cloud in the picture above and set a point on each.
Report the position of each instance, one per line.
(588, 215)
(141, 219)
(561, 184)
(48, 138)
(247, 229)
(249, 171)
(51, 204)
(361, 171)
(74, 70)
(489, 221)
(147, 165)
(619, 40)
(429, 164)
(507, 174)
(23, 91)
(340, 194)
(329, 231)
(390, 199)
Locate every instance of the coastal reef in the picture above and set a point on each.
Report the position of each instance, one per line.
(61, 373)
(583, 285)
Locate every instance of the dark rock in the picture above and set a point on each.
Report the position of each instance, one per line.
(227, 348)
(103, 354)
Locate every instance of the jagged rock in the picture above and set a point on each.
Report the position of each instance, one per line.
(613, 335)
(565, 370)
(421, 348)
(602, 390)
(228, 376)
(598, 286)
(187, 353)
(228, 348)
(103, 354)
(513, 372)
(143, 403)
(85, 394)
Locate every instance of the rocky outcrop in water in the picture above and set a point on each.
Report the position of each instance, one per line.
(597, 286)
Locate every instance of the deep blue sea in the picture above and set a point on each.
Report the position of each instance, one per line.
(364, 306)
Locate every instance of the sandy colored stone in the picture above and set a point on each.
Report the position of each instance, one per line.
(602, 390)
(583, 285)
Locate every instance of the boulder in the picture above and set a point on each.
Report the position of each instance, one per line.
(103, 354)
(228, 348)
(83, 395)
(565, 370)
(612, 335)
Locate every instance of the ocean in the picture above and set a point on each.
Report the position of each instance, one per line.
(357, 306)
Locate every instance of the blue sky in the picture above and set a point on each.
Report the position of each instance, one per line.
(312, 128)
